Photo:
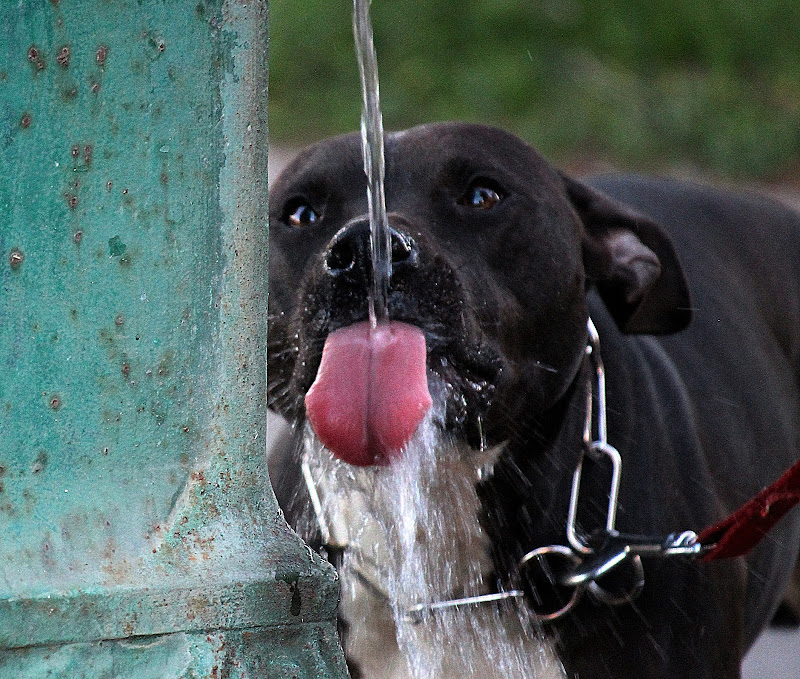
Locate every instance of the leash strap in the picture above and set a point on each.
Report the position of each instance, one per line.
(738, 533)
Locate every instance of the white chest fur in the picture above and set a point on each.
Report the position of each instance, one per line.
(412, 535)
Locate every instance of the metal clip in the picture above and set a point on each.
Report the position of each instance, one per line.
(595, 449)
(543, 575)
(614, 547)
(420, 612)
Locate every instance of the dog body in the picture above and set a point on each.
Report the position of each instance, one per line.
(499, 260)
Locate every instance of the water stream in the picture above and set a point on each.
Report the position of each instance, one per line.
(413, 535)
(411, 529)
(374, 164)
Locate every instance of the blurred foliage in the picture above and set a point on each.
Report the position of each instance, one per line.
(711, 86)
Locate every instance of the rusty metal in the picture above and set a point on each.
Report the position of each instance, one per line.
(137, 527)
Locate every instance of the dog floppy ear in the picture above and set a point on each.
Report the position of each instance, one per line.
(632, 262)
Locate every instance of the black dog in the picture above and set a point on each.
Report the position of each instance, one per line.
(498, 261)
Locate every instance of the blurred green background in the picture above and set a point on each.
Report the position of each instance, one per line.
(684, 86)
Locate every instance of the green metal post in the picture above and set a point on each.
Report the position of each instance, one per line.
(138, 533)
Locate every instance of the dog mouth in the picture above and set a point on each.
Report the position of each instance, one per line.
(374, 386)
(365, 390)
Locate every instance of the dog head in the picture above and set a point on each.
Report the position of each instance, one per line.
(493, 251)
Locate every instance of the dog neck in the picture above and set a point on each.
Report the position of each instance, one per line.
(525, 502)
(412, 534)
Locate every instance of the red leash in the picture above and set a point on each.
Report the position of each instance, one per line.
(741, 531)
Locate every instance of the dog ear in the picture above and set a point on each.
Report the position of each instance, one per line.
(632, 262)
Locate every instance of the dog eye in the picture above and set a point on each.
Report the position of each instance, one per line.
(299, 213)
(481, 195)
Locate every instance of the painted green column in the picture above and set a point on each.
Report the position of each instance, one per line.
(138, 533)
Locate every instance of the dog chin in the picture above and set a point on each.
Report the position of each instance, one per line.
(366, 508)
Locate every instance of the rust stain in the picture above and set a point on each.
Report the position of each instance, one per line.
(63, 56)
(78, 237)
(16, 258)
(36, 58)
(40, 463)
(197, 606)
(55, 402)
(25, 121)
(47, 552)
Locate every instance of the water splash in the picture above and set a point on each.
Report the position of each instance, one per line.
(374, 163)
(414, 536)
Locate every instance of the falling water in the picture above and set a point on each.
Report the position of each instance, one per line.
(412, 529)
(413, 534)
(372, 150)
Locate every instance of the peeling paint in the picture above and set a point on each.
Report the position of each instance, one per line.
(16, 258)
(116, 248)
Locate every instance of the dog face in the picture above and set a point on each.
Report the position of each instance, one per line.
(492, 254)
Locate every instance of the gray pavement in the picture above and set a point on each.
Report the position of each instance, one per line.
(776, 655)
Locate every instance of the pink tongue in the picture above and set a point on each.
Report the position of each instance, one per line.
(371, 391)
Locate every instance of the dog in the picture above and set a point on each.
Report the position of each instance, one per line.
(498, 263)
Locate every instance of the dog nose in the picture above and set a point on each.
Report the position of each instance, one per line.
(350, 250)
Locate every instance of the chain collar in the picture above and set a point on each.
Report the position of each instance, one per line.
(569, 571)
